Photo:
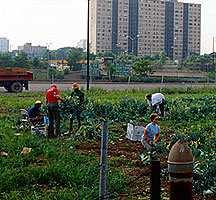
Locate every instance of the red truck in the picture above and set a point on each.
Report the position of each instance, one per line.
(15, 79)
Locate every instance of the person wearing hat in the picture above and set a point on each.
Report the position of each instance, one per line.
(77, 93)
(34, 113)
(157, 102)
(52, 99)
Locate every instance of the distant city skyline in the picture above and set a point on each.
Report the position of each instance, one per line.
(62, 23)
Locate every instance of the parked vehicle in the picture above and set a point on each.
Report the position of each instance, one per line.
(15, 79)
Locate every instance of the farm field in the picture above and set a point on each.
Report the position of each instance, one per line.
(68, 167)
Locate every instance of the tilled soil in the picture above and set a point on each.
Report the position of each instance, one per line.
(125, 154)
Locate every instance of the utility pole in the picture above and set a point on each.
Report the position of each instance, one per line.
(49, 64)
(87, 69)
(214, 66)
(133, 40)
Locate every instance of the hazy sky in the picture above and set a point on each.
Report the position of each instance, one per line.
(63, 22)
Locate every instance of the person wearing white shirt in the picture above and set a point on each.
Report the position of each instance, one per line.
(156, 100)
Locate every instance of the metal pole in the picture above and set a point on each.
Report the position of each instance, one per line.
(214, 66)
(87, 73)
(129, 79)
(48, 66)
(213, 53)
(103, 194)
(155, 191)
(49, 58)
(162, 81)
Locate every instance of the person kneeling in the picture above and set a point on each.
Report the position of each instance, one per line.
(34, 113)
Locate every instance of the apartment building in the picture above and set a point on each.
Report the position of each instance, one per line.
(194, 27)
(101, 12)
(145, 27)
(82, 44)
(122, 25)
(151, 29)
(33, 51)
(182, 29)
(4, 45)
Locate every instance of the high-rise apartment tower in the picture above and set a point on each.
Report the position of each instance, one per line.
(4, 45)
(145, 27)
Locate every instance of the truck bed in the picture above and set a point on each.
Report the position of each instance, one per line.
(15, 74)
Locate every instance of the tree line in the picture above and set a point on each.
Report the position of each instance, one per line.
(72, 55)
(76, 57)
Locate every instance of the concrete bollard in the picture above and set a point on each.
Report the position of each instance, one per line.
(180, 168)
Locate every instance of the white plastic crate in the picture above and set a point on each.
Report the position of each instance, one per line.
(134, 133)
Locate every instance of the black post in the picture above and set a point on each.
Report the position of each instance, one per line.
(103, 194)
(213, 53)
(87, 73)
(155, 190)
(214, 66)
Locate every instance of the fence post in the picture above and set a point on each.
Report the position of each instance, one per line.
(162, 82)
(180, 168)
(103, 194)
(155, 190)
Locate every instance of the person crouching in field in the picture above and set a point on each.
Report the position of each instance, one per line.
(156, 100)
(35, 114)
(151, 132)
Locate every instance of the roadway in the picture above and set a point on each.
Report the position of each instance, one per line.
(119, 86)
(42, 86)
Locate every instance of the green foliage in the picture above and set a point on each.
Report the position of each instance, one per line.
(111, 70)
(21, 60)
(56, 74)
(191, 108)
(69, 106)
(59, 54)
(142, 67)
(54, 168)
(36, 63)
(74, 56)
(6, 60)
(202, 62)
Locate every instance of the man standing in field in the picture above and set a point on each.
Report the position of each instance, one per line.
(52, 99)
(156, 100)
(79, 95)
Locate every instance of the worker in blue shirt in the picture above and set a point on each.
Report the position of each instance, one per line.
(34, 113)
(151, 132)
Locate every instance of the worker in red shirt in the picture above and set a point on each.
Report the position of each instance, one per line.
(52, 99)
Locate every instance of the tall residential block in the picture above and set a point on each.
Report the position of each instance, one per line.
(151, 29)
(4, 45)
(182, 29)
(145, 27)
(101, 12)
